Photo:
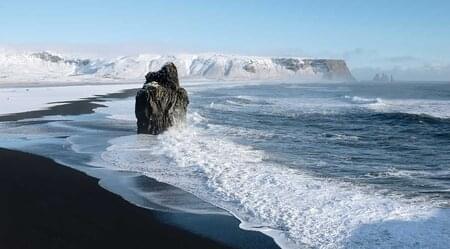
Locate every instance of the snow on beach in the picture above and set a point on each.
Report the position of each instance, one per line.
(21, 99)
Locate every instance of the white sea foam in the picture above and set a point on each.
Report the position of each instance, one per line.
(342, 137)
(295, 208)
(283, 106)
(404, 173)
(434, 108)
(361, 100)
(288, 106)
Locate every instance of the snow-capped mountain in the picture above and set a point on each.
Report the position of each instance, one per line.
(45, 66)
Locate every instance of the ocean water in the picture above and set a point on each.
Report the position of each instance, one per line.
(349, 165)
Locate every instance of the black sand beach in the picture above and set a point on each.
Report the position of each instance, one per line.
(48, 205)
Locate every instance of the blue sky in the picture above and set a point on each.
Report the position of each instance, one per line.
(366, 33)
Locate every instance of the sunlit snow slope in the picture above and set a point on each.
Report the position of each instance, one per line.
(49, 67)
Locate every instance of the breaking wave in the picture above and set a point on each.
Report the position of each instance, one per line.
(297, 209)
(432, 108)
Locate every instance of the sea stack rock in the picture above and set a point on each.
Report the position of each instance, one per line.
(161, 103)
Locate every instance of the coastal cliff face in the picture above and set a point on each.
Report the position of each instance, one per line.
(45, 66)
(334, 70)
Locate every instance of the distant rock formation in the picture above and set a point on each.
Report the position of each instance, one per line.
(161, 103)
(383, 78)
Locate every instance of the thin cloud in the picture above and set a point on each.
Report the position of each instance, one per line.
(402, 59)
(359, 52)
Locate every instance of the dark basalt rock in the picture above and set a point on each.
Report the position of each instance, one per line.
(166, 77)
(161, 103)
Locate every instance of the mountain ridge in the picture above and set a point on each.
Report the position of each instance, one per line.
(46, 66)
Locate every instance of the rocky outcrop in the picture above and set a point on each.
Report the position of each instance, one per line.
(161, 103)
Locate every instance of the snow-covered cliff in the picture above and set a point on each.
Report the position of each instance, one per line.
(44, 66)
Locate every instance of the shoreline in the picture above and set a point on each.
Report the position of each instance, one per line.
(72, 107)
(48, 205)
(203, 230)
